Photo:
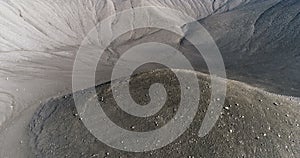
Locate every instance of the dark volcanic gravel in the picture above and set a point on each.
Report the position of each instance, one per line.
(251, 125)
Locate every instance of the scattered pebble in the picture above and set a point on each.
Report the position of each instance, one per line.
(174, 109)
(275, 104)
(265, 134)
(226, 107)
(101, 99)
(95, 155)
(287, 115)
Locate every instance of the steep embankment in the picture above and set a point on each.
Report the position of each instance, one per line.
(260, 44)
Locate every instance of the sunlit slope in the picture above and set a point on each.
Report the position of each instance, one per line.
(43, 25)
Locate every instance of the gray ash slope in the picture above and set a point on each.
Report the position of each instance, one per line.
(260, 43)
(253, 123)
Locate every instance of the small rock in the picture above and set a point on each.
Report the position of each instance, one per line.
(101, 99)
(287, 115)
(265, 134)
(95, 155)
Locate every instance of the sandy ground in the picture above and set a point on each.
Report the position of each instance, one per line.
(34, 78)
(28, 89)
